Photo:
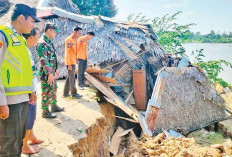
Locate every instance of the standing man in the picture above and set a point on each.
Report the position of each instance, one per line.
(71, 61)
(48, 71)
(32, 39)
(16, 80)
(82, 46)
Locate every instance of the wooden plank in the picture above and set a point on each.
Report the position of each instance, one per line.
(129, 96)
(92, 70)
(140, 89)
(96, 71)
(117, 85)
(115, 100)
(115, 142)
(105, 79)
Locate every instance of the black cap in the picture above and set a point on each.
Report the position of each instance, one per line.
(51, 26)
(26, 10)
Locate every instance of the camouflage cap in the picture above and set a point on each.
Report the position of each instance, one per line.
(51, 26)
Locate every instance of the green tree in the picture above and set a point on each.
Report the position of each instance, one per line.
(172, 35)
(212, 68)
(96, 7)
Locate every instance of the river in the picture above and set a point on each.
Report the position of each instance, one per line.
(214, 51)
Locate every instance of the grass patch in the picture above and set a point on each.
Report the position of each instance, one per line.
(215, 138)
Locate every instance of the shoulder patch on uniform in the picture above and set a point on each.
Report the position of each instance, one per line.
(15, 40)
(69, 44)
(1, 44)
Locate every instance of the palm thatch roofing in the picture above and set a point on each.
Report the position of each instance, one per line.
(115, 41)
(188, 101)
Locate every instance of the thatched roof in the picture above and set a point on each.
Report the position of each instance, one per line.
(115, 40)
(188, 101)
(131, 44)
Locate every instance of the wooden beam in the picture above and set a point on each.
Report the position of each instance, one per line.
(92, 70)
(105, 79)
(115, 142)
(117, 85)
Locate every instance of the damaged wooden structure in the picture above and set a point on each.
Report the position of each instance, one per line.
(178, 98)
(183, 100)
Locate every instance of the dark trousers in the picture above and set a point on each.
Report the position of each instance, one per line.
(82, 65)
(31, 116)
(13, 129)
(70, 83)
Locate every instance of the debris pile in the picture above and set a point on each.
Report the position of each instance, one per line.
(160, 146)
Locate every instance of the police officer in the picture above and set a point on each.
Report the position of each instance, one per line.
(48, 71)
(16, 80)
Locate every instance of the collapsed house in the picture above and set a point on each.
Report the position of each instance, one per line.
(180, 98)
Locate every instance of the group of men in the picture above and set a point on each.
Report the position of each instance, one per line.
(18, 73)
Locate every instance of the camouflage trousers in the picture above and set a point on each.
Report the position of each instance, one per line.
(48, 94)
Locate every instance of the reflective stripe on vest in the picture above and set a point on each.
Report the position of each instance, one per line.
(16, 71)
(18, 89)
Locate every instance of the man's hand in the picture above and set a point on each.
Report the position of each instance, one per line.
(69, 67)
(33, 98)
(50, 79)
(4, 112)
(57, 74)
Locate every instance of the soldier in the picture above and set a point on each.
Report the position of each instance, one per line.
(16, 80)
(48, 71)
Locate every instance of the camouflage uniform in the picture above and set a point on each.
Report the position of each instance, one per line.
(48, 62)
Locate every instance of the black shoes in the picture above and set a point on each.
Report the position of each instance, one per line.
(67, 95)
(81, 87)
(56, 108)
(84, 85)
(47, 114)
(77, 96)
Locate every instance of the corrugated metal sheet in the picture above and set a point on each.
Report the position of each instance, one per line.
(156, 100)
(48, 11)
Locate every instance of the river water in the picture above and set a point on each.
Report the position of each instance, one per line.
(214, 51)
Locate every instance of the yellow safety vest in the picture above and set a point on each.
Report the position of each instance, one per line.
(16, 71)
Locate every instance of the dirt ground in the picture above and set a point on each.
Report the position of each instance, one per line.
(69, 126)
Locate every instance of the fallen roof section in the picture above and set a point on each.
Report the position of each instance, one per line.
(183, 100)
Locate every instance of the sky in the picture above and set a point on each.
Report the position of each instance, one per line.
(206, 14)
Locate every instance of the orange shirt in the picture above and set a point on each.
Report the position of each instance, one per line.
(70, 51)
(82, 45)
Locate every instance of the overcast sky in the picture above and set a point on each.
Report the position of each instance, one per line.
(206, 14)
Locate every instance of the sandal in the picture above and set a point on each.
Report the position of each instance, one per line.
(32, 150)
(36, 142)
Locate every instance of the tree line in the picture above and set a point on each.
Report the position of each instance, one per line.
(212, 37)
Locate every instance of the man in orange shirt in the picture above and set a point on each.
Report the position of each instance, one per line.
(71, 61)
(82, 45)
